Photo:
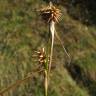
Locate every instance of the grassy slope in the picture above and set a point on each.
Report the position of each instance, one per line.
(22, 32)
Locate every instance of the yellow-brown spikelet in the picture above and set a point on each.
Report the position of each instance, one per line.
(41, 56)
(50, 13)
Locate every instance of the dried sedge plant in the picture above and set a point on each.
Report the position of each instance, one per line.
(51, 15)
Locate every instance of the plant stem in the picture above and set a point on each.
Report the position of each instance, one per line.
(68, 55)
(18, 82)
(47, 71)
(46, 82)
(52, 30)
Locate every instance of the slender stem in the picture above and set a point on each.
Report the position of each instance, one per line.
(47, 72)
(57, 36)
(52, 30)
(46, 82)
(18, 82)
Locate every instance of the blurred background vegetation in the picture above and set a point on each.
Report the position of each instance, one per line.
(22, 32)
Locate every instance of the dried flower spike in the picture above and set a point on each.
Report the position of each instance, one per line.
(50, 13)
(41, 56)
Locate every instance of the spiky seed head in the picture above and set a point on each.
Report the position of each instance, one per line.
(50, 13)
(41, 55)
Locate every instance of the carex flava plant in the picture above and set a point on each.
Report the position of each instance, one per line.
(51, 15)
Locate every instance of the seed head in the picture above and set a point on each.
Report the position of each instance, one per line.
(50, 13)
(41, 56)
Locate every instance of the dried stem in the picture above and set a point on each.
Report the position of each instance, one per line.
(17, 83)
(52, 30)
(68, 55)
(51, 15)
(46, 82)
